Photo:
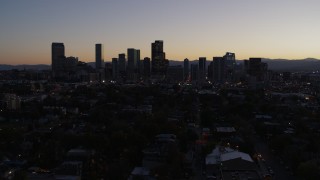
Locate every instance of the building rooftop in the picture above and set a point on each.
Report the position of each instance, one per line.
(225, 129)
(235, 155)
(141, 171)
(214, 156)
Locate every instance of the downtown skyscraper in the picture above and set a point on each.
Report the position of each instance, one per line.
(115, 68)
(202, 68)
(122, 62)
(122, 65)
(146, 68)
(230, 63)
(186, 69)
(159, 62)
(218, 74)
(133, 63)
(99, 56)
(57, 57)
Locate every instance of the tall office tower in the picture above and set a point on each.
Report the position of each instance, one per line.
(159, 62)
(230, 63)
(115, 68)
(230, 57)
(186, 69)
(138, 67)
(218, 70)
(57, 58)
(194, 73)
(138, 62)
(146, 67)
(99, 56)
(202, 69)
(122, 63)
(132, 68)
(122, 66)
(256, 68)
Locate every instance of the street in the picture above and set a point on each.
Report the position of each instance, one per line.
(270, 162)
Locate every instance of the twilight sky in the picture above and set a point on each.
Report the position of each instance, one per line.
(189, 28)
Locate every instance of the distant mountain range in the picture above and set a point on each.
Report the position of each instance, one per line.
(308, 64)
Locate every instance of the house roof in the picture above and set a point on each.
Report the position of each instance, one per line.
(235, 155)
(141, 171)
(214, 156)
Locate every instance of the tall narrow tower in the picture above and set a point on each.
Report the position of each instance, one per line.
(186, 68)
(159, 63)
(57, 57)
(133, 58)
(202, 68)
(122, 63)
(99, 56)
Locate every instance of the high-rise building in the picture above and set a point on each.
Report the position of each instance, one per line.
(230, 63)
(138, 68)
(202, 69)
(132, 68)
(138, 61)
(146, 67)
(256, 73)
(159, 62)
(218, 70)
(230, 57)
(256, 68)
(122, 66)
(210, 71)
(186, 69)
(57, 57)
(194, 73)
(114, 68)
(122, 62)
(99, 56)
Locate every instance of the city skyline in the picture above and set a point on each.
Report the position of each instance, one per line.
(272, 29)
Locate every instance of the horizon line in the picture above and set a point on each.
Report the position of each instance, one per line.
(175, 60)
